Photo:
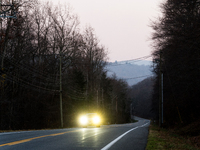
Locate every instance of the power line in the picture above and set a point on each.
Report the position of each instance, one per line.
(29, 80)
(25, 80)
(29, 85)
(137, 77)
(143, 57)
(130, 60)
(30, 69)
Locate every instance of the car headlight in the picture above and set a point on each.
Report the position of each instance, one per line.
(83, 120)
(96, 120)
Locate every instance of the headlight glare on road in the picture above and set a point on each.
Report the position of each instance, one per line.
(96, 119)
(83, 120)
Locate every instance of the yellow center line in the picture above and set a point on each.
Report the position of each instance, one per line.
(30, 139)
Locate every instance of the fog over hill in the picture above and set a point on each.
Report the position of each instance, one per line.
(132, 72)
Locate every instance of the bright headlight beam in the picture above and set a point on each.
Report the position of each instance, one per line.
(96, 119)
(83, 120)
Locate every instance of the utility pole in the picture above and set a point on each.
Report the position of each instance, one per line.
(87, 103)
(102, 100)
(61, 112)
(116, 107)
(162, 96)
(7, 10)
(97, 100)
(116, 112)
(160, 92)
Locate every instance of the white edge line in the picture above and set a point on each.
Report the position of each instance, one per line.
(114, 141)
(144, 124)
(111, 143)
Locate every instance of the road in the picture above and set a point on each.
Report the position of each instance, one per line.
(132, 136)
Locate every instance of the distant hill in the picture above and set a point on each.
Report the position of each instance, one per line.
(141, 95)
(130, 71)
(143, 62)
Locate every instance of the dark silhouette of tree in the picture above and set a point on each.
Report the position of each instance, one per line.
(176, 40)
(141, 95)
(29, 92)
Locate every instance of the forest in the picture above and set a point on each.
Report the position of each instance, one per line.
(140, 95)
(44, 55)
(176, 54)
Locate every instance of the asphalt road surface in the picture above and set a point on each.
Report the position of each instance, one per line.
(131, 136)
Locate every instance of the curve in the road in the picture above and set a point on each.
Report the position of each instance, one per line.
(114, 141)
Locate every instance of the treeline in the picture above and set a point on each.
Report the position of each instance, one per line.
(41, 42)
(176, 44)
(141, 95)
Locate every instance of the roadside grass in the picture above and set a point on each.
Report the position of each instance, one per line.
(163, 139)
(4, 131)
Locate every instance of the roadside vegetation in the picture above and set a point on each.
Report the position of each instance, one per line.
(175, 43)
(43, 49)
(45, 44)
(160, 138)
(176, 55)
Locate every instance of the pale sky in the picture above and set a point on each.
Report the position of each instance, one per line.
(122, 26)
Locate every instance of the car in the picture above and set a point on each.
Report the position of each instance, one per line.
(90, 119)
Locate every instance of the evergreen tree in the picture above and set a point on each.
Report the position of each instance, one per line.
(176, 39)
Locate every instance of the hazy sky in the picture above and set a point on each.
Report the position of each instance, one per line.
(122, 26)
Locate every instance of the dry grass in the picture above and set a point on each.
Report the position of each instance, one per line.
(162, 139)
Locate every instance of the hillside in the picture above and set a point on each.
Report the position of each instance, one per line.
(130, 71)
(141, 95)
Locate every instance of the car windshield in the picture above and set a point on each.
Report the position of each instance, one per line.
(91, 115)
